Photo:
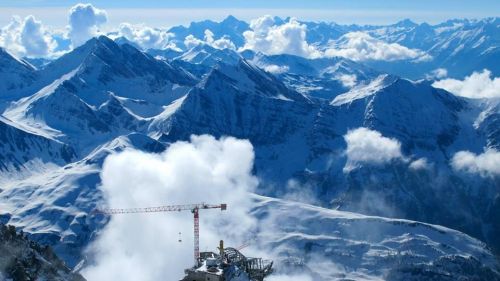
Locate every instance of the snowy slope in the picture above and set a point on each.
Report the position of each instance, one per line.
(419, 116)
(488, 121)
(15, 75)
(209, 56)
(240, 100)
(102, 66)
(53, 205)
(322, 78)
(98, 92)
(200, 59)
(20, 147)
(334, 245)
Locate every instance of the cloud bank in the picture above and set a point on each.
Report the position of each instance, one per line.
(27, 37)
(146, 37)
(477, 85)
(438, 73)
(146, 247)
(222, 43)
(360, 46)
(369, 146)
(486, 164)
(270, 38)
(84, 22)
(266, 35)
(289, 38)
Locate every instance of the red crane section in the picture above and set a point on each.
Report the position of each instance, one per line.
(194, 208)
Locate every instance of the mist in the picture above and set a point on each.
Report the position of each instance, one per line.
(159, 246)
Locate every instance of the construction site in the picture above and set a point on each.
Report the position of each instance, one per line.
(225, 264)
(228, 264)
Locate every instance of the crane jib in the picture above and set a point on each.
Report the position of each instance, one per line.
(194, 208)
(172, 208)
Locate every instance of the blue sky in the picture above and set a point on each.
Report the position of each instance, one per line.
(479, 5)
(168, 13)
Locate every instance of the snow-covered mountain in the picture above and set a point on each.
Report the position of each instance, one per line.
(105, 97)
(314, 131)
(97, 92)
(230, 27)
(461, 46)
(323, 78)
(15, 75)
(19, 147)
(334, 245)
(102, 65)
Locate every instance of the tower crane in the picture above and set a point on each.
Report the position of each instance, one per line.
(194, 208)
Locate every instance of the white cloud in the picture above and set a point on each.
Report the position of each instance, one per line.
(477, 85)
(27, 37)
(222, 43)
(486, 164)
(146, 37)
(347, 80)
(276, 69)
(420, 164)
(360, 46)
(368, 146)
(438, 73)
(84, 22)
(35, 40)
(10, 38)
(289, 38)
(190, 41)
(145, 246)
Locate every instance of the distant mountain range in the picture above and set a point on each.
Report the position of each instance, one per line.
(461, 46)
(59, 121)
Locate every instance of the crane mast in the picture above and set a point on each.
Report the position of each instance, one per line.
(194, 208)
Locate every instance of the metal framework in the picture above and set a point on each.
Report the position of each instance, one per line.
(256, 268)
(194, 208)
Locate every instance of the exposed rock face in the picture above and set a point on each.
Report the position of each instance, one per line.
(22, 259)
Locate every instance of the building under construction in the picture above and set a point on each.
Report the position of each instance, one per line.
(228, 264)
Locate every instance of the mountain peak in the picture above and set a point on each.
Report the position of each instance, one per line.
(104, 39)
(95, 43)
(406, 23)
(230, 19)
(122, 40)
(243, 77)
